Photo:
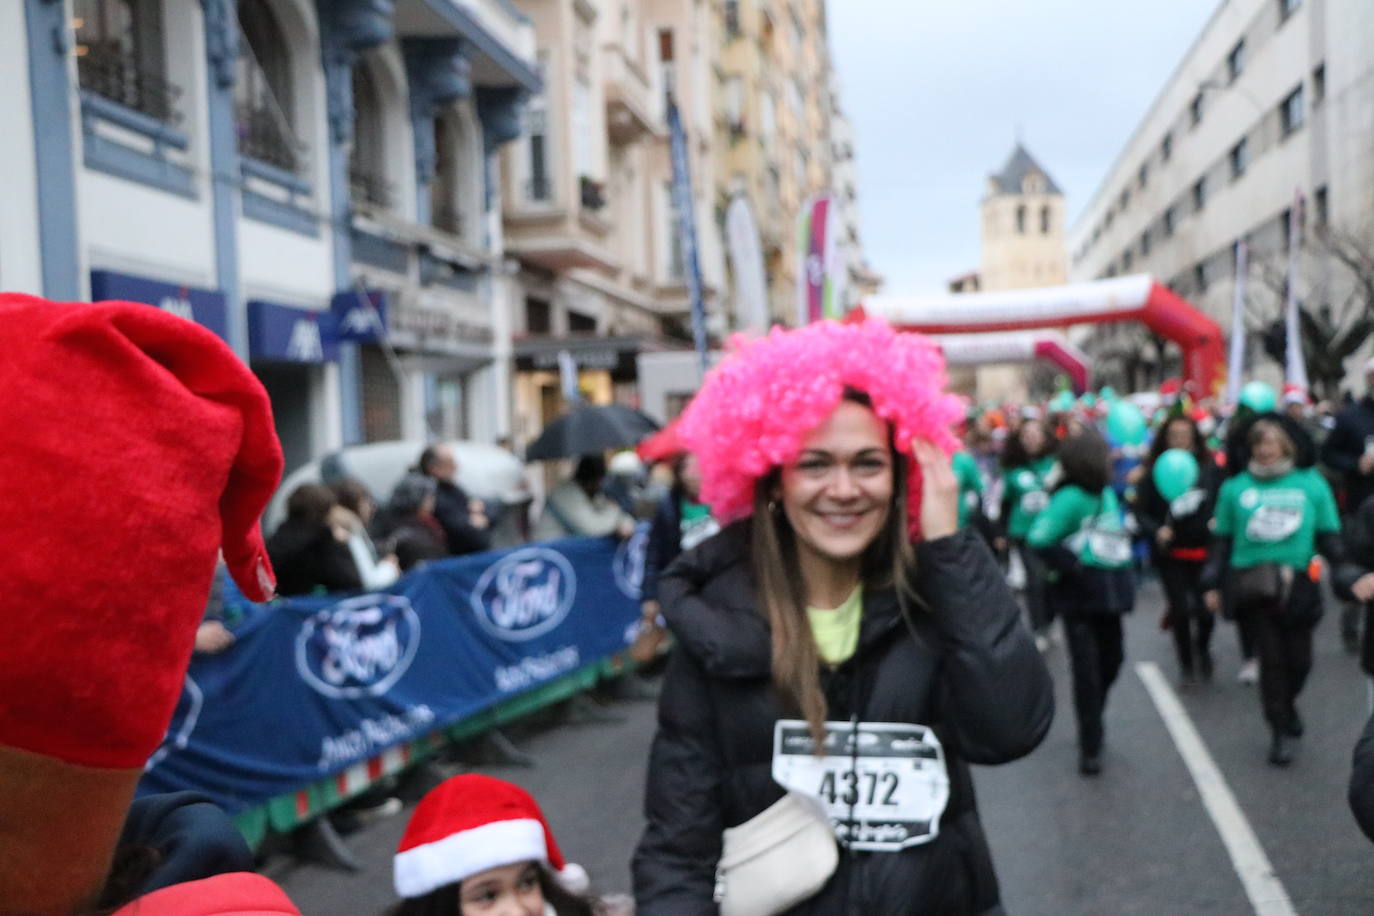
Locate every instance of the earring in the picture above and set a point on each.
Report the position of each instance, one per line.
(773, 506)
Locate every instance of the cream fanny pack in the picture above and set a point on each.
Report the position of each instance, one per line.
(776, 859)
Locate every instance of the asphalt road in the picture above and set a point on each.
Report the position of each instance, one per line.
(1137, 839)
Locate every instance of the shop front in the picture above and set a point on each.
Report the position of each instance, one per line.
(295, 352)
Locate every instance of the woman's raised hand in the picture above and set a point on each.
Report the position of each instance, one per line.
(939, 490)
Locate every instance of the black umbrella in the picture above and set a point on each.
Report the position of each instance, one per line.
(591, 429)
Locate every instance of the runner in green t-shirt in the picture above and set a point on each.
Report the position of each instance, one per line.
(1271, 520)
(1027, 460)
(1081, 539)
(970, 486)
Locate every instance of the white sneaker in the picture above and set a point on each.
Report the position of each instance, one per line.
(1249, 672)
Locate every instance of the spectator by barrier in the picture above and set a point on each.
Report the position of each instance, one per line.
(320, 697)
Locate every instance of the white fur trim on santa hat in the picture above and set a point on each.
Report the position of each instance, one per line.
(421, 869)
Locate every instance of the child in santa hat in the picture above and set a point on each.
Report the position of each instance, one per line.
(479, 846)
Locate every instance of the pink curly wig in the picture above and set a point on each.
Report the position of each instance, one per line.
(755, 409)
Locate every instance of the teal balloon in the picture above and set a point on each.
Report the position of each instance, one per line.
(1061, 402)
(1174, 473)
(1108, 393)
(1258, 396)
(1088, 400)
(1126, 423)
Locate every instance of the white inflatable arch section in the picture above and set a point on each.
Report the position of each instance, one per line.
(1018, 347)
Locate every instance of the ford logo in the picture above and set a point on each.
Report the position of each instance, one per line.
(628, 565)
(359, 647)
(525, 594)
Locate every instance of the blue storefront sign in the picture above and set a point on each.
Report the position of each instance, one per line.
(203, 306)
(315, 685)
(284, 334)
(360, 318)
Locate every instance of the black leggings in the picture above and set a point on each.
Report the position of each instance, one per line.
(1285, 661)
(1095, 656)
(1189, 618)
(1041, 613)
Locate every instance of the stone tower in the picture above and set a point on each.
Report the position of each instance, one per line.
(1023, 227)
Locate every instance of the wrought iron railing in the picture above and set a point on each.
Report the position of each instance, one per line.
(446, 218)
(368, 187)
(262, 136)
(115, 74)
(539, 189)
(593, 194)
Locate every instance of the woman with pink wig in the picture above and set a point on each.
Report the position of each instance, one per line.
(841, 638)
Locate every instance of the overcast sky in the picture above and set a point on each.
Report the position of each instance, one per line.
(937, 90)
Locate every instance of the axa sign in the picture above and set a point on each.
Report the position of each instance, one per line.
(359, 647)
(178, 306)
(525, 594)
(305, 344)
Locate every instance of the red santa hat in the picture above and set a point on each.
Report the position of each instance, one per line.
(137, 446)
(1294, 393)
(469, 824)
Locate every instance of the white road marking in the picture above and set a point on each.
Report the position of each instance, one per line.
(1262, 886)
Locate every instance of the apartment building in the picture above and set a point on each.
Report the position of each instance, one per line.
(1275, 98)
(313, 181)
(589, 212)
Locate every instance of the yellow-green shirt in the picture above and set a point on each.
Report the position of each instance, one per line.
(837, 631)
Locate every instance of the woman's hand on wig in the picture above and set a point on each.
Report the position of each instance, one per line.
(939, 490)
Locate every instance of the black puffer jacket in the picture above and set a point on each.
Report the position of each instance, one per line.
(974, 676)
(1151, 511)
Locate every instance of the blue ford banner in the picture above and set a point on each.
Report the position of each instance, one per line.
(203, 306)
(293, 335)
(314, 685)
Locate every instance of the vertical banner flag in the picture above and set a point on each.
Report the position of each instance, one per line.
(567, 377)
(1295, 367)
(687, 229)
(746, 260)
(1236, 368)
(821, 274)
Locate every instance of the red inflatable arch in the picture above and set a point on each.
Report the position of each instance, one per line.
(1134, 298)
(1022, 347)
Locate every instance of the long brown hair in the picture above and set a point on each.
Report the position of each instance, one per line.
(888, 562)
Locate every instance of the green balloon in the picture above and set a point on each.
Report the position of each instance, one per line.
(1174, 473)
(1126, 423)
(1258, 396)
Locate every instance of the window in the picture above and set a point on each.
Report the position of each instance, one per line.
(1125, 199)
(768, 117)
(1168, 222)
(732, 29)
(1126, 259)
(734, 106)
(673, 266)
(1021, 220)
(1286, 226)
(1291, 112)
(1200, 276)
(1145, 244)
(665, 66)
(119, 55)
(578, 323)
(538, 189)
(1107, 221)
(538, 316)
(1240, 158)
(581, 125)
(448, 203)
(1166, 147)
(366, 163)
(1318, 85)
(264, 97)
(1287, 8)
(1045, 220)
(1200, 193)
(1195, 110)
(1143, 178)
(1235, 61)
(1320, 207)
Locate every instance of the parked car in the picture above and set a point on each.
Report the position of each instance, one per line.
(486, 472)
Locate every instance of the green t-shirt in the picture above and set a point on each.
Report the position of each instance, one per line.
(696, 523)
(970, 484)
(1025, 487)
(1275, 521)
(837, 631)
(1088, 524)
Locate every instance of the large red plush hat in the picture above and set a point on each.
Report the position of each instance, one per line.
(137, 446)
(233, 894)
(470, 823)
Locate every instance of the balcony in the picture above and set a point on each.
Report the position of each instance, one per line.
(447, 218)
(628, 112)
(368, 188)
(262, 136)
(114, 74)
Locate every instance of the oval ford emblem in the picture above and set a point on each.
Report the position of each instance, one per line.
(359, 647)
(525, 594)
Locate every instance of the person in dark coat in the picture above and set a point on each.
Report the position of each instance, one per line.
(464, 520)
(1349, 449)
(1361, 794)
(308, 552)
(408, 526)
(817, 617)
(1178, 535)
(1356, 575)
(681, 522)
